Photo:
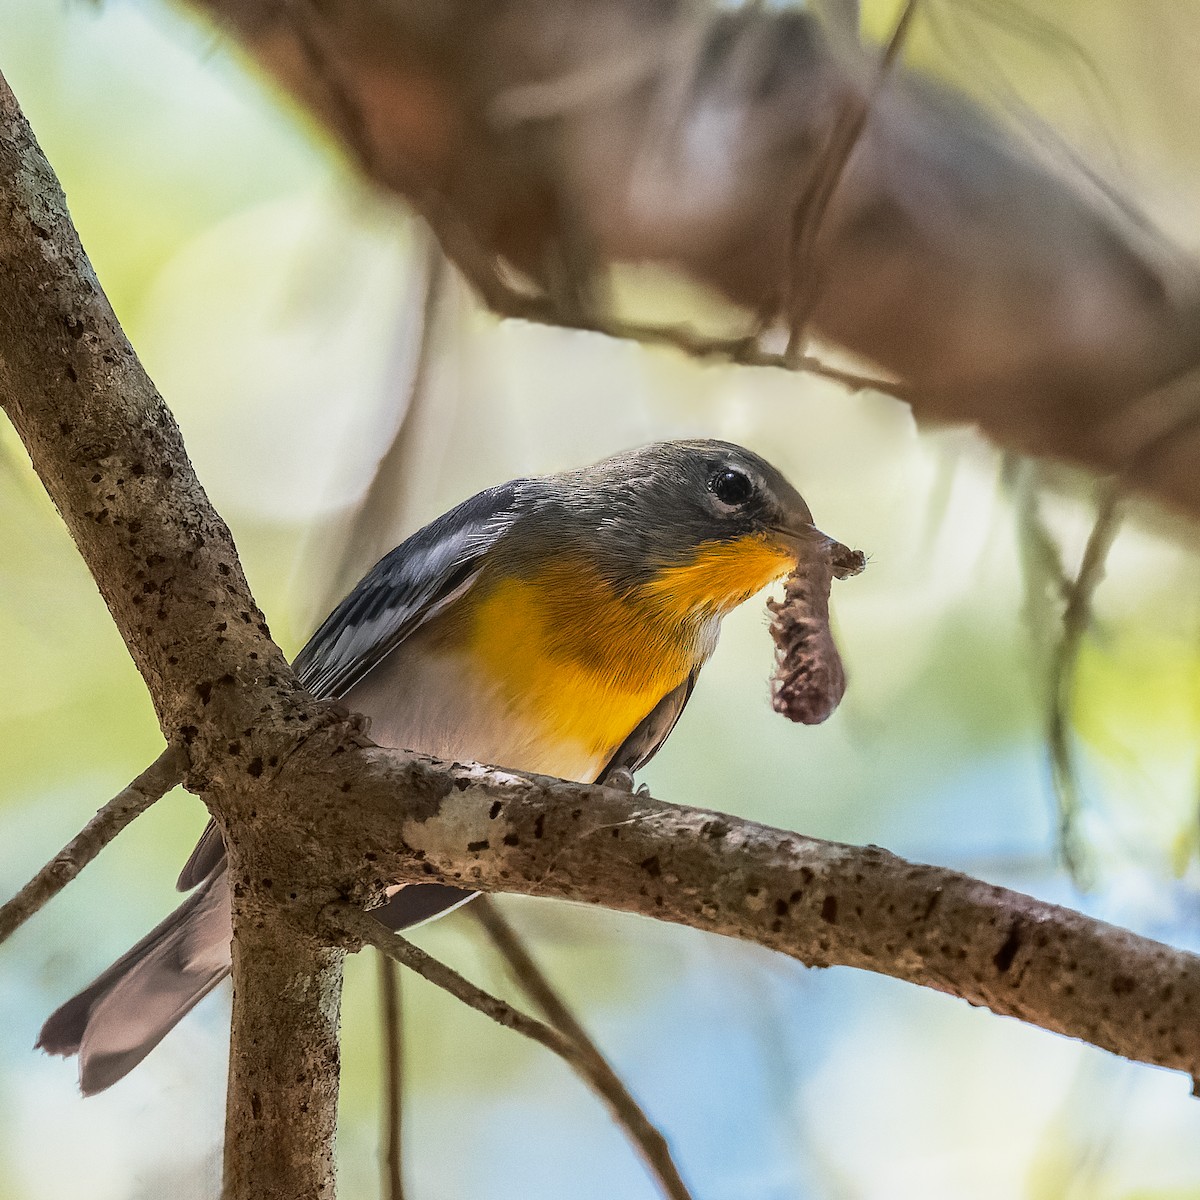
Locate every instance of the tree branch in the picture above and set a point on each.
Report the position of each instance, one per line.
(823, 903)
(111, 457)
(152, 784)
(805, 276)
(630, 1115)
(528, 132)
(392, 1033)
(345, 922)
(577, 1052)
(1064, 661)
(284, 1060)
(746, 351)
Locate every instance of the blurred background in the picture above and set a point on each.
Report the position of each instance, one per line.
(286, 314)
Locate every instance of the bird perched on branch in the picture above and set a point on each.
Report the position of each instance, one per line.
(553, 625)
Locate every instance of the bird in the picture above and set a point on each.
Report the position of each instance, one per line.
(553, 625)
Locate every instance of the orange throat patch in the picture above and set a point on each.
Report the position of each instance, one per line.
(720, 577)
(586, 665)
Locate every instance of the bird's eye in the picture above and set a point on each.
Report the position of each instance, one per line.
(731, 487)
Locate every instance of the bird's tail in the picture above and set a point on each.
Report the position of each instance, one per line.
(119, 1018)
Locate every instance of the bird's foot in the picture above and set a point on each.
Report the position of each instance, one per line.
(622, 779)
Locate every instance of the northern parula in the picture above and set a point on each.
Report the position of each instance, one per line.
(553, 625)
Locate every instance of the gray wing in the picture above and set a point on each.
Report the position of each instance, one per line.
(647, 738)
(408, 586)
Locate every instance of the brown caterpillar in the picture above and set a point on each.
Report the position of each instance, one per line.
(809, 679)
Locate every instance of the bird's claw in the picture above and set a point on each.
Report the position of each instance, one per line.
(621, 778)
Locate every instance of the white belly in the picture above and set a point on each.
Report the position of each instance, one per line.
(436, 705)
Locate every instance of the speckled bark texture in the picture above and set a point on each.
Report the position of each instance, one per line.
(823, 903)
(314, 815)
(284, 980)
(111, 457)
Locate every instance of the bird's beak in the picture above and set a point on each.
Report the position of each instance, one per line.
(808, 542)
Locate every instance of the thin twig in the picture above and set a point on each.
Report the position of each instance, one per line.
(393, 1079)
(353, 922)
(1078, 596)
(808, 219)
(151, 785)
(1048, 588)
(1075, 623)
(744, 351)
(348, 921)
(641, 1130)
(484, 271)
(1046, 577)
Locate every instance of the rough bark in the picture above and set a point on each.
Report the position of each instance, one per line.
(823, 903)
(281, 1110)
(546, 140)
(112, 459)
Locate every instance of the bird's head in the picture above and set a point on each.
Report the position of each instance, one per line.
(695, 526)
